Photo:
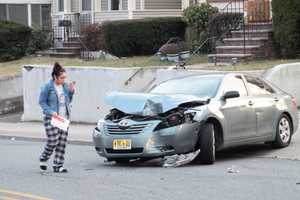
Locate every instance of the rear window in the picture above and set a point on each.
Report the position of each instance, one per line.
(257, 86)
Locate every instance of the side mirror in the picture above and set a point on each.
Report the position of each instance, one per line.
(230, 95)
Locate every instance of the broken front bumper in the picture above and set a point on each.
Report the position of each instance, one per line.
(147, 143)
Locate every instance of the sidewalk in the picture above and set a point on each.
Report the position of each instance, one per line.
(12, 128)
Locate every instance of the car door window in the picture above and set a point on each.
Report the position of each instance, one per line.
(235, 83)
(257, 86)
(268, 88)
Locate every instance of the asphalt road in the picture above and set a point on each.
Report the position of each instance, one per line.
(90, 178)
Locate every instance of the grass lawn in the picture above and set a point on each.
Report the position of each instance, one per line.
(14, 67)
(254, 65)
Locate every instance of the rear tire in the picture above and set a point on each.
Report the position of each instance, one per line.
(283, 132)
(206, 144)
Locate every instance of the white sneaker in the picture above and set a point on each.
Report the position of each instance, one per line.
(43, 165)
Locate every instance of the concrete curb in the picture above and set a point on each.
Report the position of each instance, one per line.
(33, 139)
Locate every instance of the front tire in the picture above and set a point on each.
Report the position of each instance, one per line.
(206, 144)
(283, 132)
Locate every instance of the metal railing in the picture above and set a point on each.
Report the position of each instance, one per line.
(240, 15)
(67, 32)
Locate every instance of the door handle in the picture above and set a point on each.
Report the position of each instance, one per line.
(250, 103)
(276, 99)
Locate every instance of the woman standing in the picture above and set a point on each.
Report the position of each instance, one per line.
(55, 99)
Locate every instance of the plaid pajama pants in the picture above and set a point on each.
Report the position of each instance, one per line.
(56, 141)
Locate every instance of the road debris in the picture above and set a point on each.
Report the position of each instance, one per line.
(180, 160)
(232, 170)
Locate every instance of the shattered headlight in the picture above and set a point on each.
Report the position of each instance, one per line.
(193, 115)
(189, 116)
(171, 120)
(175, 119)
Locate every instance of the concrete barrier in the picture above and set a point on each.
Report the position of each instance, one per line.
(10, 87)
(286, 77)
(92, 85)
(11, 92)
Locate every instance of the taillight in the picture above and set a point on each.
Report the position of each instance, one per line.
(294, 103)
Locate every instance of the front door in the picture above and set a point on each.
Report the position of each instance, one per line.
(258, 11)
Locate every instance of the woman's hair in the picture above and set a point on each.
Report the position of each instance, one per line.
(57, 70)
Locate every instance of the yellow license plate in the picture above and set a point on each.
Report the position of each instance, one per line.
(122, 144)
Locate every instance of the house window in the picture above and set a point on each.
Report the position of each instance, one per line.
(3, 14)
(115, 4)
(36, 15)
(46, 13)
(18, 13)
(61, 5)
(86, 5)
(40, 16)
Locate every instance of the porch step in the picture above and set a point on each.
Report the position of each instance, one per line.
(63, 54)
(259, 25)
(73, 39)
(75, 50)
(227, 58)
(251, 49)
(71, 44)
(248, 41)
(251, 33)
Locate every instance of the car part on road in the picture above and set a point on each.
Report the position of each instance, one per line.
(232, 170)
(180, 160)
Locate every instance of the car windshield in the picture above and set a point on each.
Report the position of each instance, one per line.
(203, 86)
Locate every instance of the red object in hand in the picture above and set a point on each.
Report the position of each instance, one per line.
(59, 118)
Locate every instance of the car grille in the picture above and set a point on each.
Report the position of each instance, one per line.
(134, 150)
(116, 130)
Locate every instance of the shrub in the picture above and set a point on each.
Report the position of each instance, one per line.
(39, 41)
(93, 37)
(140, 37)
(286, 23)
(197, 17)
(14, 40)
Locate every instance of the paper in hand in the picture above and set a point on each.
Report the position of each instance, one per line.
(60, 122)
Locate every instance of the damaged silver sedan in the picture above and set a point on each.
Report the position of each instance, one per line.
(202, 112)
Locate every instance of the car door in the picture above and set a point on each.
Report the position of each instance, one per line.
(264, 103)
(238, 112)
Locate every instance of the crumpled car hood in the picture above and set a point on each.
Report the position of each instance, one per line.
(136, 103)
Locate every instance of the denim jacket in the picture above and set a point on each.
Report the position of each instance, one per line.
(48, 99)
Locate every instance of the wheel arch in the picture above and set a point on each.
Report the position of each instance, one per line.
(290, 118)
(219, 132)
